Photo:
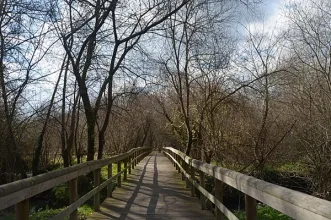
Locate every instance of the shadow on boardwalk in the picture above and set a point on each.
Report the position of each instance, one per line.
(153, 191)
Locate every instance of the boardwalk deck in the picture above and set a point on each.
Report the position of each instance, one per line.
(154, 190)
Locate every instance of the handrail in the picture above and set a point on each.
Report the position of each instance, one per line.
(20, 191)
(290, 202)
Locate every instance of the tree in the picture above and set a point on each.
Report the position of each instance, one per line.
(117, 27)
(22, 47)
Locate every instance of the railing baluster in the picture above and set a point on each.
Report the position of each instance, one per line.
(250, 208)
(133, 159)
(125, 175)
(73, 196)
(187, 169)
(110, 185)
(174, 161)
(193, 179)
(203, 185)
(178, 168)
(119, 176)
(183, 166)
(219, 197)
(96, 181)
(129, 165)
(22, 210)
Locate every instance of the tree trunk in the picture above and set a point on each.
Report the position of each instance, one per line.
(38, 149)
(106, 122)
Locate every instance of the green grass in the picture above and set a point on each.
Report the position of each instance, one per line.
(104, 171)
(60, 194)
(265, 213)
(83, 213)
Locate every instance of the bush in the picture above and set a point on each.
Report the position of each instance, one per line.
(265, 213)
(83, 213)
(60, 196)
(45, 214)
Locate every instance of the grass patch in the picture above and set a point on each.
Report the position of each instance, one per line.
(265, 213)
(83, 213)
(104, 171)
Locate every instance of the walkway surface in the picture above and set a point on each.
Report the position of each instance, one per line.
(154, 190)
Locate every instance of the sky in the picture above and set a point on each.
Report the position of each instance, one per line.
(270, 16)
(273, 14)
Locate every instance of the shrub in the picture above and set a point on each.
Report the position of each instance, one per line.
(265, 213)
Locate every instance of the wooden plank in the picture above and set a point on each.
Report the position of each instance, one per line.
(203, 185)
(125, 175)
(192, 174)
(84, 198)
(119, 176)
(22, 210)
(73, 196)
(154, 191)
(13, 193)
(96, 183)
(110, 185)
(219, 197)
(129, 165)
(209, 196)
(250, 208)
(292, 203)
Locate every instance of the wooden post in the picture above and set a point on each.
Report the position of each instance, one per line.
(110, 185)
(129, 166)
(193, 179)
(219, 197)
(178, 160)
(250, 208)
(22, 211)
(175, 165)
(73, 196)
(119, 176)
(125, 169)
(138, 156)
(187, 169)
(96, 197)
(202, 184)
(183, 165)
(132, 161)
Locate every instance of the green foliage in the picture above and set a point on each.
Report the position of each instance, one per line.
(7, 216)
(104, 171)
(293, 167)
(60, 196)
(265, 213)
(84, 211)
(45, 214)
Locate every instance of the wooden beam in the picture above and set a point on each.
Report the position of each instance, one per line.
(110, 185)
(22, 211)
(119, 176)
(96, 182)
(73, 196)
(129, 164)
(192, 173)
(125, 174)
(203, 185)
(250, 208)
(219, 197)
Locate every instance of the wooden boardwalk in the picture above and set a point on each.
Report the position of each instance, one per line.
(154, 190)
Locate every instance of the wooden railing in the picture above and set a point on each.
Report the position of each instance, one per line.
(18, 193)
(292, 203)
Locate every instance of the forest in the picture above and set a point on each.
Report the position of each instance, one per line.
(82, 80)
